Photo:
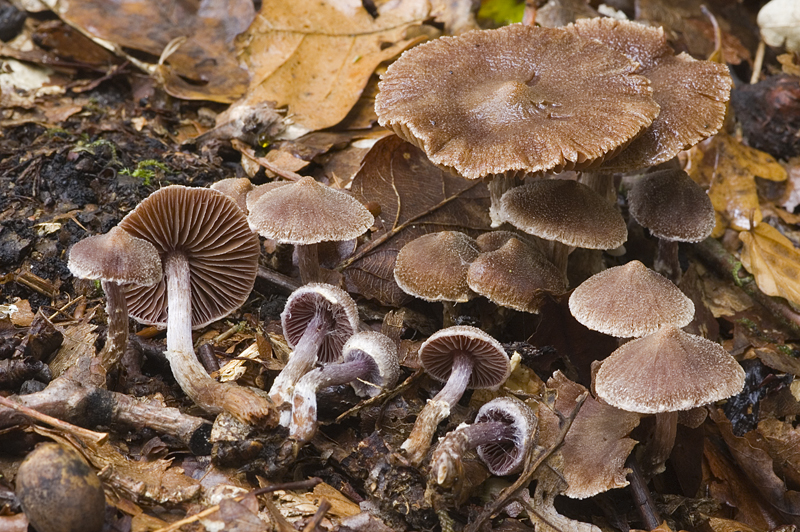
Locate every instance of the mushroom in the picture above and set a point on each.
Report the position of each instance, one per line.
(369, 364)
(210, 260)
(237, 188)
(463, 357)
(675, 209)
(629, 301)
(662, 374)
(116, 259)
(317, 321)
(305, 213)
(500, 103)
(504, 430)
(565, 213)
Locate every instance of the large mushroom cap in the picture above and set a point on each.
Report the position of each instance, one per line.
(565, 211)
(383, 352)
(117, 257)
(668, 371)
(672, 206)
(340, 310)
(491, 366)
(506, 456)
(212, 232)
(630, 301)
(308, 212)
(691, 94)
(515, 99)
(434, 267)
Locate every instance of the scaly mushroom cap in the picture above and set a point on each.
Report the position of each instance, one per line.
(308, 212)
(672, 206)
(630, 301)
(259, 190)
(507, 456)
(383, 352)
(117, 257)
(692, 94)
(434, 267)
(491, 365)
(211, 230)
(341, 311)
(515, 99)
(236, 188)
(668, 371)
(566, 211)
(516, 276)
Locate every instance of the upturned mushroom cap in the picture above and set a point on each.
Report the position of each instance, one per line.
(491, 366)
(566, 211)
(212, 232)
(516, 275)
(434, 267)
(515, 99)
(117, 257)
(691, 94)
(383, 352)
(668, 371)
(630, 301)
(341, 311)
(672, 206)
(507, 456)
(308, 212)
(236, 188)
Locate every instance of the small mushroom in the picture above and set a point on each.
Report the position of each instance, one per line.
(675, 209)
(504, 430)
(662, 374)
(210, 260)
(369, 364)
(236, 188)
(116, 259)
(629, 301)
(317, 320)
(305, 213)
(463, 357)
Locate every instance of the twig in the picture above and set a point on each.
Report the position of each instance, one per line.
(97, 438)
(288, 284)
(641, 495)
(324, 506)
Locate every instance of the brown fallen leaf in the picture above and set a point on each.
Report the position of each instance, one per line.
(783, 444)
(729, 168)
(315, 58)
(415, 198)
(773, 260)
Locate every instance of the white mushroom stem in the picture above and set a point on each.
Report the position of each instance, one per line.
(498, 185)
(308, 263)
(601, 182)
(117, 333)
(437, 409)
(661, 442)
(666, 261)
(301, 361)
(210, 395)
(303, 424)
(449, 454)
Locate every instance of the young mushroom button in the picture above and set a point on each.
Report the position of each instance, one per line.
(463, 357)
(210, 260)
(116, 259)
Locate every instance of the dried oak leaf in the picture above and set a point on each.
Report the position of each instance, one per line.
(415, 198)
(206, 58)
(315, 57)
(783, 444)
(773, 260)
(729, 168)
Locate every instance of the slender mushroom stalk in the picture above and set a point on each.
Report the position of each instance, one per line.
(661, 442)
(464, 357)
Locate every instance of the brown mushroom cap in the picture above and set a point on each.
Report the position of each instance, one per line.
(630, 301)
(668, 371)
(237, 188)
(672, 206)
(516, 275)
(259, 190)
(491, 366)
(308, 212)
(565, 211)
(515, 99)
(212, 232)
(434, 267)
(117, 257)
(692, 94)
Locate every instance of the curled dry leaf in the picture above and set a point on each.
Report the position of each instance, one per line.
(415, 198)
(315, 58)
(773, 260)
